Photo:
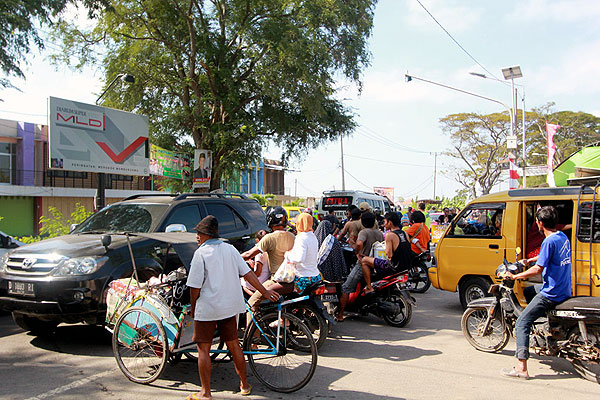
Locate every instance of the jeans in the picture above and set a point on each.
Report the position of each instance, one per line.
(535, 309)
(353, 279)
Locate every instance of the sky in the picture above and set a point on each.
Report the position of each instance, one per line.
(555, 42)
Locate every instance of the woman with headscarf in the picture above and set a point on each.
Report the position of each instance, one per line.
(331, 257)
(304, 254)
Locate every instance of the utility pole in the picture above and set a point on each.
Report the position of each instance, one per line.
(434, 172)
(295, 187)
(342, 153)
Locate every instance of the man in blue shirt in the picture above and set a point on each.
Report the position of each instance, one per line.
(554, 263)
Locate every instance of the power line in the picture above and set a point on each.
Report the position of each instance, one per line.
(455, 41)
(356, 179)
(389, 142)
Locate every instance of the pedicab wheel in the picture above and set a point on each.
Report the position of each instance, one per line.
(140, 345)
(473, 324)
(294, 364)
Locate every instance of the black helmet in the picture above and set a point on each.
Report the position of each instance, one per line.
(276, 216)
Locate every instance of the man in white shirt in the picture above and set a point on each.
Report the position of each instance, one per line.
(216, 298)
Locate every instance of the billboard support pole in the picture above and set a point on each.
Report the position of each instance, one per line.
(101, 192)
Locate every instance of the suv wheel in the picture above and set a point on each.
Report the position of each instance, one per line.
(34, 325)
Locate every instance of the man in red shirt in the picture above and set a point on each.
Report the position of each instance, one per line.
(418, 233)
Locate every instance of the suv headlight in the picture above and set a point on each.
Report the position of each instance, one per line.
(79, 266)
(3, 262)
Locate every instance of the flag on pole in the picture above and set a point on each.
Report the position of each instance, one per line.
(513, 178)
(550, 132)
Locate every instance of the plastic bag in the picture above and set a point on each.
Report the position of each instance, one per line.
(378, 250)
(286, 272)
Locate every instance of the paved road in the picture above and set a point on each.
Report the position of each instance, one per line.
(364, 359)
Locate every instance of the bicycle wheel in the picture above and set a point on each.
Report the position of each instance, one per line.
(295, 363)
(140, 345)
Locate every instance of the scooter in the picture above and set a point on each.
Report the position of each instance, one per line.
(390, 300)
(571, 330)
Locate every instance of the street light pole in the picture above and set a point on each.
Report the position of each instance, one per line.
(101, 185)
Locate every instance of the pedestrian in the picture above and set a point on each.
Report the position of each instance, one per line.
(216, 299)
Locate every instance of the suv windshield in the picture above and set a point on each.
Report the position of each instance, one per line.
(124, 218)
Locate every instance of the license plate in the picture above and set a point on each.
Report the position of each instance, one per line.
(21, 288)
(331, 298)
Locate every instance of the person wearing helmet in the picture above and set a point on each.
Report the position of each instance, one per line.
(275, 245)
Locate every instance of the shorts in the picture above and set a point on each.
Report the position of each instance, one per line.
(382, 267)
(302, 282)
(204, 331)
(353, 279)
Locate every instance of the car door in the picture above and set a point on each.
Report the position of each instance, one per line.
(232, 226)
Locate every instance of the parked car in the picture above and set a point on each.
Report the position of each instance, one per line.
(65, 279)
(7, 243)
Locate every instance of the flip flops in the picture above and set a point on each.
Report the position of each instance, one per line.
(246, 392)
(513, 373)
(195, 396)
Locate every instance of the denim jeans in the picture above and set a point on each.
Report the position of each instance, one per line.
(535, 309)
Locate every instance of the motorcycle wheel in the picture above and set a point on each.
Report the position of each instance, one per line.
(472, 324)
(589, 370)
(418, 278)
(403, 317)
(313, 320)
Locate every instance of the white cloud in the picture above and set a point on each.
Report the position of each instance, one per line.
(560, 10)
(451, 14)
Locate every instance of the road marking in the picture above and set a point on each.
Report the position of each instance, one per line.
(70, 386)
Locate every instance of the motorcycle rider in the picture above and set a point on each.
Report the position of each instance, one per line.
(364, 242)
(352, 228)
(275, 244)
(397, 250)
(554, 262)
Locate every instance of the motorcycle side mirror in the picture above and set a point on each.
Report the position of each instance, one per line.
(517, 251)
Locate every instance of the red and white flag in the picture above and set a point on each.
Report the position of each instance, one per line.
(550, 132)
(513, 178)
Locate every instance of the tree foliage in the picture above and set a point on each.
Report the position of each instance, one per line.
(55, 224)
(263, 199)
(234, 75)
(18, 29)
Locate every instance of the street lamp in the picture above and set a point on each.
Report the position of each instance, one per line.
(100, 191)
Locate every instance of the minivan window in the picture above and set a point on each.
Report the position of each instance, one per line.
(483, 220)
(124, 218)
(188, 215)
(228, 219)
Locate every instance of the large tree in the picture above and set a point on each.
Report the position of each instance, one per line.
(235, 75)
(18, 19)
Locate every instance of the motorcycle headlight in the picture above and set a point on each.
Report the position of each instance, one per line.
(3, 262)
(79, 266)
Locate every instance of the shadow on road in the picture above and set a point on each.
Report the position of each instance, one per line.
(77, 340)
(8, 326)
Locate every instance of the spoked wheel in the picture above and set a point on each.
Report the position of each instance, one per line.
(294, 364)
(404, 314)
(418, 278)
(140, 345)
(494, 339)
(313, 320)
(582, 360)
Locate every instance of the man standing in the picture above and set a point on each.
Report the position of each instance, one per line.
(216, 298)
(366, 238)
(334, 221)
(554, 263)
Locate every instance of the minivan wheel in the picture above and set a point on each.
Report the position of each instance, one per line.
(34, 325)
(471, 289)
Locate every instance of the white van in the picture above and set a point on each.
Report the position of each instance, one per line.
(339, 200)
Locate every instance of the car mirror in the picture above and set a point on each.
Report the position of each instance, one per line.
(73, 227)
(176, 228)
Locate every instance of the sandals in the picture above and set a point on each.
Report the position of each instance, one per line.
(513, 373)
(195, 396)
(246, 392)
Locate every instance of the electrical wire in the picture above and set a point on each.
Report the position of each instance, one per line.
(455, 41)
(356, 179)
(390, 142)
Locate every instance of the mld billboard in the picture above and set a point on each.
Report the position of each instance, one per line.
(90, 138)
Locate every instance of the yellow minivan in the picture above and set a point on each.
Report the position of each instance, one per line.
(491, 227)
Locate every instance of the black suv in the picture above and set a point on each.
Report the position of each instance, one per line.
(65, 279)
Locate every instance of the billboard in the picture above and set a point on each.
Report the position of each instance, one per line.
(89, 138)
(385, 191)
(202, 168)
(168, 163)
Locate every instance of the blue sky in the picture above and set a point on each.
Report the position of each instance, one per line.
(556, 43)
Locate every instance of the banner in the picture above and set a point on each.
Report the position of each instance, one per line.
(513, 178)
(385, 191)
(202, 168)
(89, 138)
(168, 163)
(550, 132)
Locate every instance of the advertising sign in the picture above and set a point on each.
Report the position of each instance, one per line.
(385, 191)
(202, 168)
(168, 163)
(89, 138)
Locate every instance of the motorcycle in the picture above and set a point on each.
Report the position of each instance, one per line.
(418, 277)
(390, 300)
(571, 330)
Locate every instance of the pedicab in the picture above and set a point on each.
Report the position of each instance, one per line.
(151, 326)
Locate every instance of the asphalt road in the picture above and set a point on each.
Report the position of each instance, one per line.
(363, 359)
